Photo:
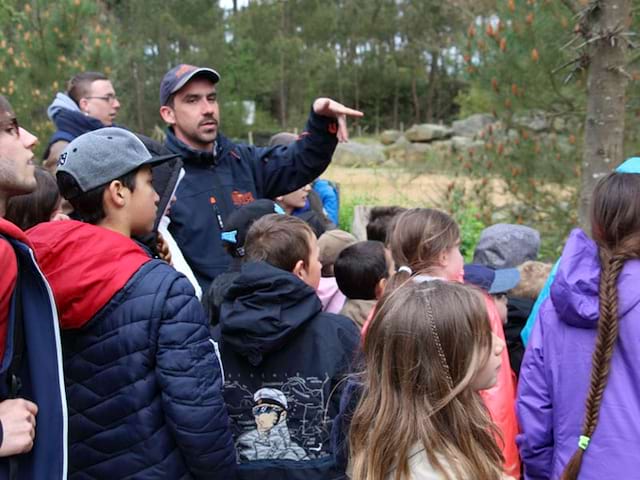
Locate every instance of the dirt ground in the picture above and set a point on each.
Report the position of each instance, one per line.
(386, 186)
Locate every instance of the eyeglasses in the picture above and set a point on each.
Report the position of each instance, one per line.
(11, 126)
(107, 98)
(261, 409)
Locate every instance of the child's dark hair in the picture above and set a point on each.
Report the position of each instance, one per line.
(615, 225)
(36, 207)
(359, 268)
(279, 240)
(380, 220)
(88, 206)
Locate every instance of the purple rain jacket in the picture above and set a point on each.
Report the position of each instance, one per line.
(555, 373)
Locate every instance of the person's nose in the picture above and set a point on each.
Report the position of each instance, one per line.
(28, 139)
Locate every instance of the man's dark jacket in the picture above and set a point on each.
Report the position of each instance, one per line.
(273, 334)
(143, 379)
(215, 185)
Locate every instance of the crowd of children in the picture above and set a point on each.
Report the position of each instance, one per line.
(316, 356)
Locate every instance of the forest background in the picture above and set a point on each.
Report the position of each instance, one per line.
(402, 62)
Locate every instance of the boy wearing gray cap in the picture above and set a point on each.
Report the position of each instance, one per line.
(143, 379)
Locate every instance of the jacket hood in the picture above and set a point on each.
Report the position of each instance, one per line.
(60, 102)
(85, 265)
(263, 308)
(574, 292)
(8, 229)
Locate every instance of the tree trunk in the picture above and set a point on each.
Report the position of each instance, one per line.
(283, 81)
(431, 89)
(606, 87)
(416, 99)
(139, 95)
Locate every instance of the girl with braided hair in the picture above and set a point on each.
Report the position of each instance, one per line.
(428, 351)
(425, 244)
(579, 393)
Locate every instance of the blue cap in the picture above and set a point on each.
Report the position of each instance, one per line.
(630, 165)
(491, 280)
(178, 76)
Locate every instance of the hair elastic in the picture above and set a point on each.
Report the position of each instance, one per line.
(583, 442)
(404, 268)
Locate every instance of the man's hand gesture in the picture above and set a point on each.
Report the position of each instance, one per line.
(331, 108)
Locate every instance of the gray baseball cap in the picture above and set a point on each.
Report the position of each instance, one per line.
(98, 157)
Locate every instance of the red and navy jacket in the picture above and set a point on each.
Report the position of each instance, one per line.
(40, 371)
(215, 185)
(143, 379)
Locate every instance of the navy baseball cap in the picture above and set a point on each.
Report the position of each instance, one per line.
(491, 280)
(178, 76)
(100, 156)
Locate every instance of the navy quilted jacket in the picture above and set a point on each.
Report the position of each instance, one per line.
(143, 380)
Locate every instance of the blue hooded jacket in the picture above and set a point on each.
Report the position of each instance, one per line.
(70, 122)
(284, 363)
(216, 183)
(143, 379)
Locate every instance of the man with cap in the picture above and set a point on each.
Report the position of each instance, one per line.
(32, 396)
(143, 379)
(221, 175)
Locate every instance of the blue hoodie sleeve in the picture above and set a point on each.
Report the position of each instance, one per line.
(282, 169)
(188, 371)
(534, 407)
(330, 200)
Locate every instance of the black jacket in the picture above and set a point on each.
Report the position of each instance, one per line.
(274, 336)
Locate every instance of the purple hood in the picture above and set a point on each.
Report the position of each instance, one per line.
(574, 292)
(555, 373)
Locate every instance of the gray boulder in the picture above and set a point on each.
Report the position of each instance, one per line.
(427, 132)
(534, 120)
(355, 154)
(389, 137)
(464, 144)
(473, 125)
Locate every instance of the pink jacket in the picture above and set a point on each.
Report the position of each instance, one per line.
(330, 295)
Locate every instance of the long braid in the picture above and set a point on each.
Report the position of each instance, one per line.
(601, 360)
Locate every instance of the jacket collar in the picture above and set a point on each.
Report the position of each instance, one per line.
(192, 155)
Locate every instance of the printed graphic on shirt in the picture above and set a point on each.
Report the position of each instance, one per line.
(282, 420)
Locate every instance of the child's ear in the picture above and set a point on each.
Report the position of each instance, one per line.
(116, 194)
(380, 287)
(443, 258)
(299, 270)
